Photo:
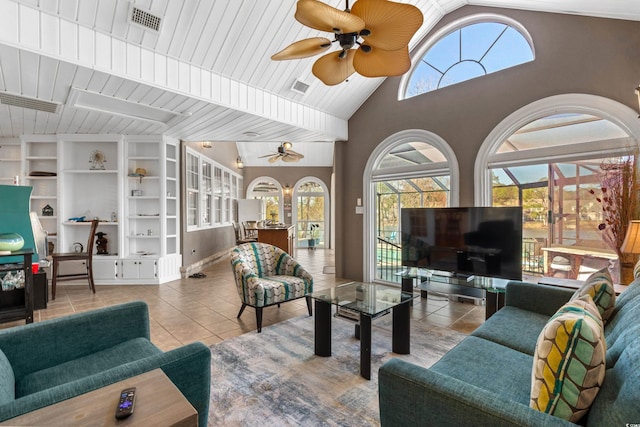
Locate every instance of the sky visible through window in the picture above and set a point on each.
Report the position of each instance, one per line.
(469, 52)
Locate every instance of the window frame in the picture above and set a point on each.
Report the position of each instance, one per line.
(448, 29)
(222, 199)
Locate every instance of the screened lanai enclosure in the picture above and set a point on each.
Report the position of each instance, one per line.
(562, 200)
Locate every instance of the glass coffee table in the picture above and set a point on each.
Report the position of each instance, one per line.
(367, 301)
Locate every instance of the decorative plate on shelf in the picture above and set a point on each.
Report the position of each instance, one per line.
(97, 160)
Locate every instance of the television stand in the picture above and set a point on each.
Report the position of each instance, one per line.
(489, 290)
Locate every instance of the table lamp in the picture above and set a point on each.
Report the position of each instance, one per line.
(630, 245)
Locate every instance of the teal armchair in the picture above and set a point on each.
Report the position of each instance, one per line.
(47, 362)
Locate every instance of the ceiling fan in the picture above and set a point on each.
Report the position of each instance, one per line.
(386, 28)
(284, 153)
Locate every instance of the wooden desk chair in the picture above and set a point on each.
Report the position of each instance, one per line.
(86, 256)
(240, 237)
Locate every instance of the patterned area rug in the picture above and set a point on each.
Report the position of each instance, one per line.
(274, 379)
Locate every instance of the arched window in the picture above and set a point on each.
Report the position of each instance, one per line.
(469, 48)
(269, 190)
(552, 157)
(311, 210)
(412, 168)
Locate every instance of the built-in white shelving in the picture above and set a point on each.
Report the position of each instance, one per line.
(81, 177)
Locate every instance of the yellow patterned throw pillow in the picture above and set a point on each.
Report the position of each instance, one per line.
(569, 361)
(599, 286)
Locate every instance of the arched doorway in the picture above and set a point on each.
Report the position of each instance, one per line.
(311, 210)
(412, 168)
(269, 190)
(553, 157)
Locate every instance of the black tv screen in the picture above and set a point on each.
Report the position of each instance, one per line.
(483, 241)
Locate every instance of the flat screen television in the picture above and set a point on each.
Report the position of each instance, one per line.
(482, 241)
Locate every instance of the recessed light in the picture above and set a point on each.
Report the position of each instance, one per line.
(251, 134)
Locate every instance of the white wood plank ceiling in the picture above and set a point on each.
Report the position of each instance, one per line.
(210, 62)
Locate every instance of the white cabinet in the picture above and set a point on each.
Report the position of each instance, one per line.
(151, 208)
(104, 269)
(130, 183)
(136, 269)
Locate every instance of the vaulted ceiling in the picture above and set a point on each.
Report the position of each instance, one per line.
(207, 71)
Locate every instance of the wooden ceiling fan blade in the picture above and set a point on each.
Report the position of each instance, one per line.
(323, 17)
(382, 63)
(295, 154)
(303, 49)
(391, 24)
(332, 70)
(289, 159)
(266, 155)
(274, 159)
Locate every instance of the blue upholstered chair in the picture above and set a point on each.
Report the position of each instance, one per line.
(47, 362)
(266, 275)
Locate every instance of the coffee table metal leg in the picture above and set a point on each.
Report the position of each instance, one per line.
(401, 328)
(322, 328)
(365, 346)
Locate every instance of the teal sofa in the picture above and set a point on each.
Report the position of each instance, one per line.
(50, 361)
(486, 379)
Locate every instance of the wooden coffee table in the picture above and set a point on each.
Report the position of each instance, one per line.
(158, 403)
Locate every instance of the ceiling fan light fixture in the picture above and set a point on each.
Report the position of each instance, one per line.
(384, 25)
(287, 145)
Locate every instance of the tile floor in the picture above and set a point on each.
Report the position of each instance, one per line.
(205, 309)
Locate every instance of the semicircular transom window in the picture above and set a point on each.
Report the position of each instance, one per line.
(468, 52)
(563, 129)
(411, 154)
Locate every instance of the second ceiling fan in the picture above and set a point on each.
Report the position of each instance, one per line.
(386, 28)
(284, 153)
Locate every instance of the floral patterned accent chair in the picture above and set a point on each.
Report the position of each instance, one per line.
(266, 275)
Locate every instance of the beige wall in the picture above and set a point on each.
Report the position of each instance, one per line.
(573, 55)
(213, 242)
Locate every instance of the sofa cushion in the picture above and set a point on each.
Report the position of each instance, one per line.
(95, 363)
(617, 402)
(636, 270)
(7, 380)
(599, 286)
(490, 366)
(569, 361)
(514, 328)
(622, 320)
(629, 294)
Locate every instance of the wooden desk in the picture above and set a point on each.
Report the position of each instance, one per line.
(575, 254)
(282, 237)
(158, 403)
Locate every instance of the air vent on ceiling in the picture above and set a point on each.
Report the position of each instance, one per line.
(300, 87)
(144, 18)
(31, 103)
